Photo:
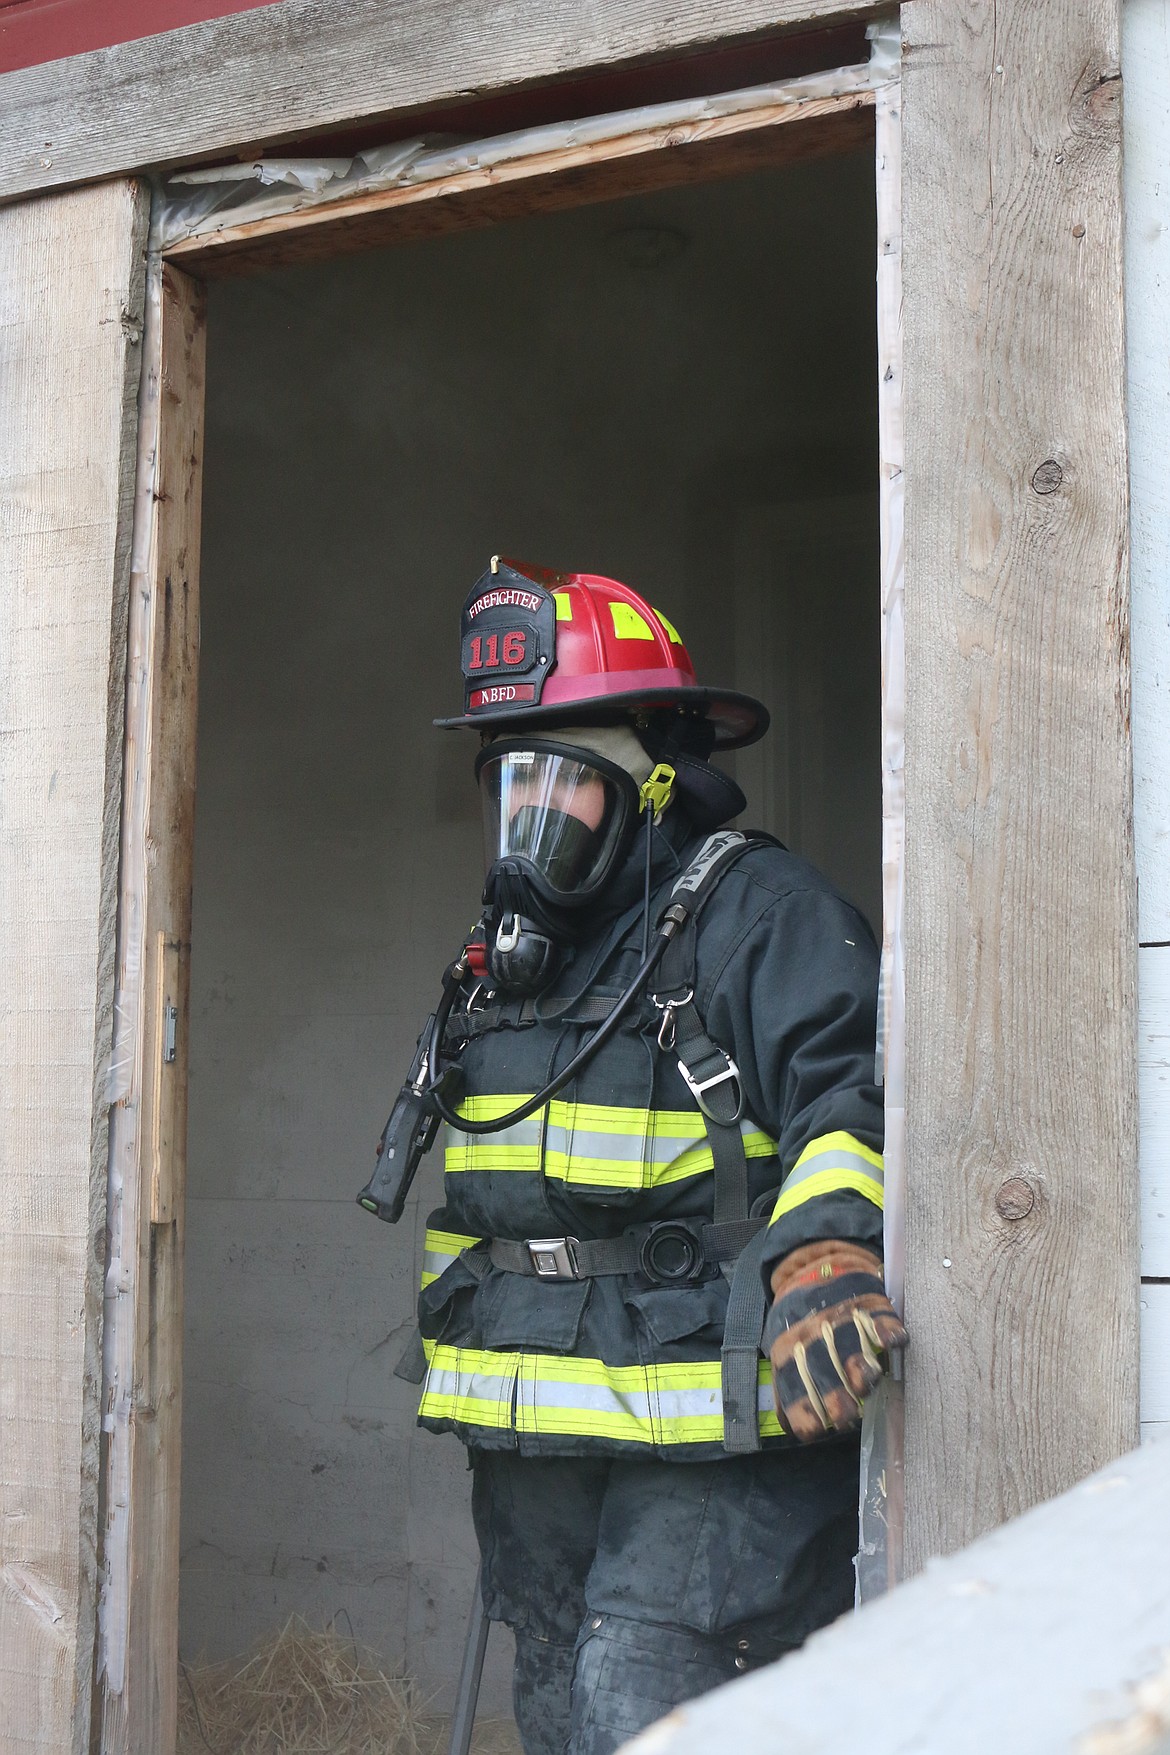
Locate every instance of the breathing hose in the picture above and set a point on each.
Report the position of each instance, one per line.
(452, 980)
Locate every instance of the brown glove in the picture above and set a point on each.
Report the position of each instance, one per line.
(826, 1333)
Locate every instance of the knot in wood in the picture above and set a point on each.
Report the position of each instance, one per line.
(1015, 1199)
(1047, 476)
(1103, 100)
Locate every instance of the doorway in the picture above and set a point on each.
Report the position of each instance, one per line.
(677, 389)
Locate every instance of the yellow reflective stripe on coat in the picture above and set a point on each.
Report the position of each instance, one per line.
(471, 1387)
(592, 1144)
(552, 1393)
(829, 1165)
(440, 1249)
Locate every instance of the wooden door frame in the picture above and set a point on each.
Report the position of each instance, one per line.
(138, 1624)
(1019, 945)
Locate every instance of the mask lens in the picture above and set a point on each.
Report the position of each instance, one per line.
(556, 812)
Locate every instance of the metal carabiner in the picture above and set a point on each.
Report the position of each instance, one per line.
(668, 1007)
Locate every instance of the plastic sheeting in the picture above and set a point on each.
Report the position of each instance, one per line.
(196, 203)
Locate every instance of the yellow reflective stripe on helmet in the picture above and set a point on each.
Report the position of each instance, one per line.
(628, 624)
(675, 636)
(552, 1394)
(440, 1249)
(833, 1163)
(592, 1144)
(564, 605)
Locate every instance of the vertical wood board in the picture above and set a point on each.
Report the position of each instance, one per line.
(1155, 1354)
(138, 1644)
(1020, 895)
(1145, 50)
(70, 328)
(1154, 1106)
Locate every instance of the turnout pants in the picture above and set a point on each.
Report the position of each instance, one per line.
(633, 1586)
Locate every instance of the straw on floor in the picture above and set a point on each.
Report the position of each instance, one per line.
(313, 1691)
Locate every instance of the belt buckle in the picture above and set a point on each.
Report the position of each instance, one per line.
(553, 1258)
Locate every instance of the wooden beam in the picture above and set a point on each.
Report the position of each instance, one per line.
(303, 66)
(137, 1666)
(632, 164)
(1022, 1210)
(69, 359)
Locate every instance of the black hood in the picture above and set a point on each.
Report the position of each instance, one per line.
(675, 841)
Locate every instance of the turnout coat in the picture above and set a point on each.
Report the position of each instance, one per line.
(785, 978)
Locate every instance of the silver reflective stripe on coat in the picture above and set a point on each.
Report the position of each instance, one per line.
(594, 1145)
(559, 1395)
(832, 1164)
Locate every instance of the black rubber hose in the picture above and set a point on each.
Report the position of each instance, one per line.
(582, 1057)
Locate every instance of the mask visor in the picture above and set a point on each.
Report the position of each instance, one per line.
(559, 810)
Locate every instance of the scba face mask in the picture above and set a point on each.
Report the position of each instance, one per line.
(558, 821)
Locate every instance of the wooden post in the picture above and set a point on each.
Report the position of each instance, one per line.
(1022, 1214)
(70, 335)
(137, 1652)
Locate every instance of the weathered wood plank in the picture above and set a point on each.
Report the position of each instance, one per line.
(1146, 65)
(1049, 1637)
(1154, 1106)
(633, 164)
(70, 326)
(138, 1648)
(307, 65)
(1020, 904)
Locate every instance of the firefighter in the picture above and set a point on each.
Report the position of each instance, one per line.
(653, 1299)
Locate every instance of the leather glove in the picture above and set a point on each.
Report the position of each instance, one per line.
(826, 1335)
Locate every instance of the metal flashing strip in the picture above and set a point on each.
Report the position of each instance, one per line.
(879, 1560)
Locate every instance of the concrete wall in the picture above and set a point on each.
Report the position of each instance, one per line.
(676, 390)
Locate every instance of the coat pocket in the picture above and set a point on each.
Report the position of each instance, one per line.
(512, 1310)
(669, 1313)
(445, 1305)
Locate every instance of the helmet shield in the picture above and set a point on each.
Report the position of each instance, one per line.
(559, 812)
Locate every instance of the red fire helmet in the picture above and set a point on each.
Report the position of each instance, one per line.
(541, 647)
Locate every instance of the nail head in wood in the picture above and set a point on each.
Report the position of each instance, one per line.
(1015, 1199)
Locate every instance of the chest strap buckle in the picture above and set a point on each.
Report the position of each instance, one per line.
(698, 1086)
(554, 1258)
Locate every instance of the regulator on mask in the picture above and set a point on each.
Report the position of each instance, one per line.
(558, 821)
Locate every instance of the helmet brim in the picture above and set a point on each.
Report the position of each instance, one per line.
(738, 719)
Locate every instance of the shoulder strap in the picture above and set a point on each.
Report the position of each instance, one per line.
(709, 1071)
(714, 1082)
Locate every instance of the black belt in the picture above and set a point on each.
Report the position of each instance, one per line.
(672, 1252)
